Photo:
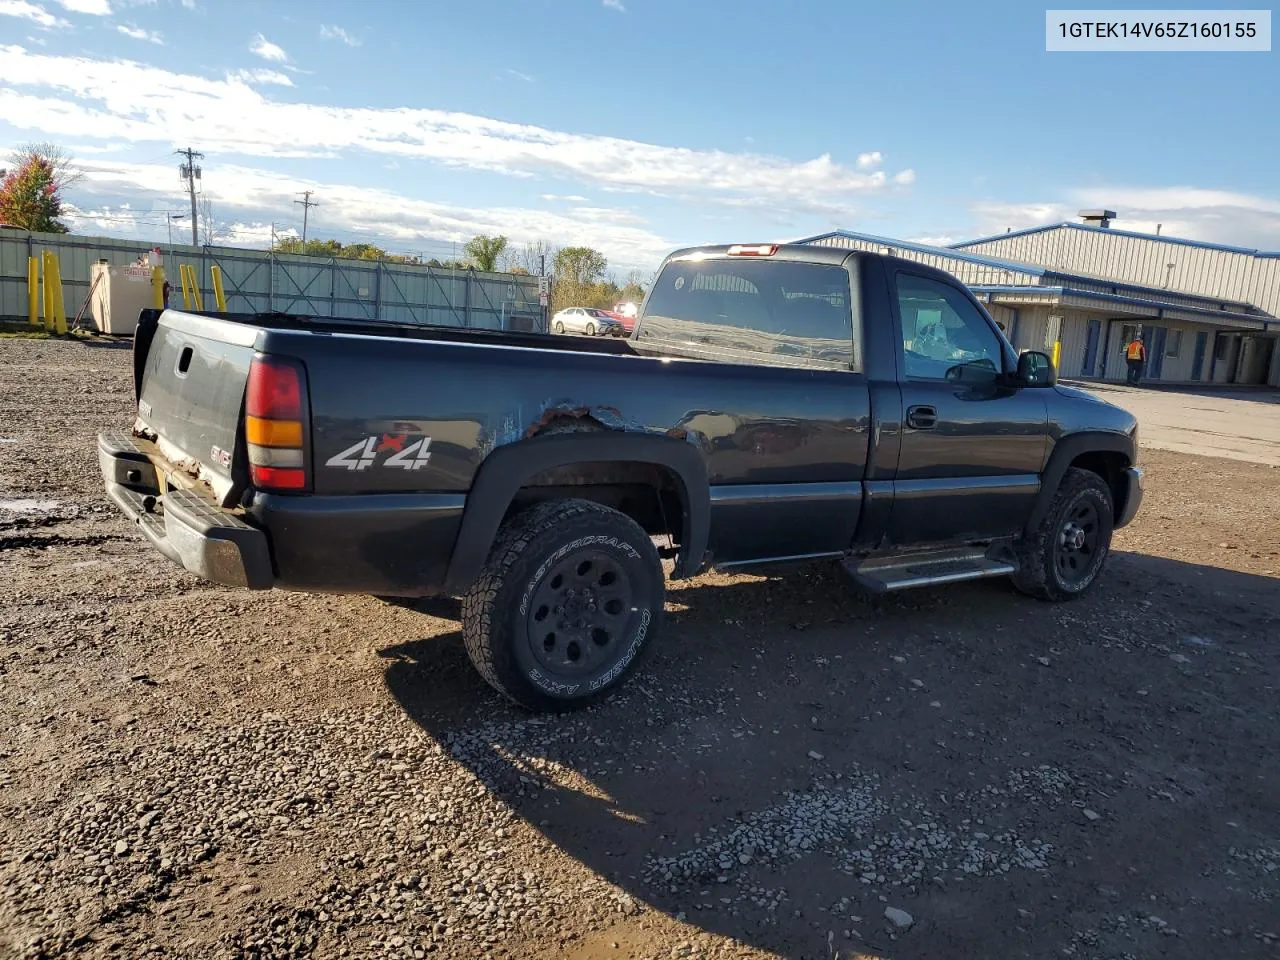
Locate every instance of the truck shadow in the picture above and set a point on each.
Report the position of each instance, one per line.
(722, 725)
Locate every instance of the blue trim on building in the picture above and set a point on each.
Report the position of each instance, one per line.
(1015, 267)
(1010, 265)
(1027, 231)
(1156, 306)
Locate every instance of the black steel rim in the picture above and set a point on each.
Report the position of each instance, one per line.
(1078, 543)
(581, 614)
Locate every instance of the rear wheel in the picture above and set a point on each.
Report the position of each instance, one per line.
(568, 603)
(559, 327)
(591, 330)
(1062, 558)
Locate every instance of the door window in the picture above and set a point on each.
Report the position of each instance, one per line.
(944, 337)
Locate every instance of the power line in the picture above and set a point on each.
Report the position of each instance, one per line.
(307, 203)
(191, 173)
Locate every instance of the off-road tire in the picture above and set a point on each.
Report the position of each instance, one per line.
(1038, 572)
(527, 550)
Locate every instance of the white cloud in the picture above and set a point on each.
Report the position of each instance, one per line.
(94, 8)
(267, 50)
(519, 76)
(937, 241)
(252, 197)
(869, 161)
(260, 75)
(112, 99)
(139, 34)
(567, 197)
(330, 32)
(615, 5)
(905, 178)
(31, 11)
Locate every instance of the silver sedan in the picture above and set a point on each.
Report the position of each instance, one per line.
(586, 320)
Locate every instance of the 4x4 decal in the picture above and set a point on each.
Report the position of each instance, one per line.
(364, 454)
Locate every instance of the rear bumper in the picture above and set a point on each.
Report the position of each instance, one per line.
(189, 529)
(381, 544)
(1131, 493)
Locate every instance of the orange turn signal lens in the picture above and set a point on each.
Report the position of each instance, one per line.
(272, 433)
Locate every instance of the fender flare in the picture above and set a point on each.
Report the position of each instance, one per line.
(510, 467)
(1064, 452)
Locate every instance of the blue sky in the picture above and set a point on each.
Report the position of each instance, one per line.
(632, 125)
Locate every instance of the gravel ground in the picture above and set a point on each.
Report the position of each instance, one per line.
(801, 771)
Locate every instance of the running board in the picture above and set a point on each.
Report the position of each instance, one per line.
(904, 571)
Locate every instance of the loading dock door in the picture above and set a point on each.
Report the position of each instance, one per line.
(1091, 348)
(1197, 361)
(1154, 338)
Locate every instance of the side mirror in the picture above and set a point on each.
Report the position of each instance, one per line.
(1035, 369)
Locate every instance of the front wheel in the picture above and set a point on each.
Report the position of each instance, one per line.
(568, 603)
(591, 330)
(1061, 559)
(559, 327)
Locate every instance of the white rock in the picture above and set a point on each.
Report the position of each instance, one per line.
(1089, 814)
(815, 755)
(899, 918)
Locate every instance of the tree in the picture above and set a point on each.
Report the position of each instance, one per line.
(365, 251)
(536, 257)
(632, 293)
(31, 194)
(580, 265)
(208, 229)
(485, 251)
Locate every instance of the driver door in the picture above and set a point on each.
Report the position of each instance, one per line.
(972, 448)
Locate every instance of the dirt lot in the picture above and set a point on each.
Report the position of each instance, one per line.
(198, 772)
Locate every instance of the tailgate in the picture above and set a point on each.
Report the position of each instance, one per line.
(192, 395)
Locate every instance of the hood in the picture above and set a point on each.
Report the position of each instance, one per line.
(1078, 394)
(1078, 410)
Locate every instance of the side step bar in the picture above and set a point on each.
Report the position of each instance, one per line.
(904, 571)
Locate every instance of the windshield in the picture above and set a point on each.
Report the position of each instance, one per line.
(754, 311)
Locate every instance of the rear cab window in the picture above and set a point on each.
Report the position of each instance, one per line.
(745, 310)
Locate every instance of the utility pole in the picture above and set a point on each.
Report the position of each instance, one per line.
(307, 203)
(191, 173)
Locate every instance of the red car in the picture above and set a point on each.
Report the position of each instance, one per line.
(628, 323)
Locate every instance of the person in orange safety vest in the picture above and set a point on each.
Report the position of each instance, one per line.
(1136, 356)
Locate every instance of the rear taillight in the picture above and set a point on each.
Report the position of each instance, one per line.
(274, 424)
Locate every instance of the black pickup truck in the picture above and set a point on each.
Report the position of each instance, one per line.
(774, 403)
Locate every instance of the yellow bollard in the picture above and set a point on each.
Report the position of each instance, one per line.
(1057, 352)
(195, 287)
(157, 287)
(46, 288)
(33, 291)
(218, 294)
(186, 291)
(59, 309)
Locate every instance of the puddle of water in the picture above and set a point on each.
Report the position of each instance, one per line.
(30, 506)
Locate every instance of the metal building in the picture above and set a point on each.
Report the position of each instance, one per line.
(1207, 313)
(259, 280)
